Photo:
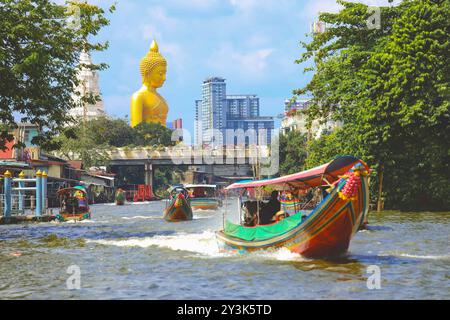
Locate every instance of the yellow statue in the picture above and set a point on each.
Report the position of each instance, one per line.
(146, 104)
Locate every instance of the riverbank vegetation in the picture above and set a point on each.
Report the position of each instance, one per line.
(389, 87)
(91, 140)
(39, 61)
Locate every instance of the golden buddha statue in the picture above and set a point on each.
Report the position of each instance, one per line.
(146, 104)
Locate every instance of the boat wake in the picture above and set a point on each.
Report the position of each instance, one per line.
(73, 221)
(281, 254)
(427, 257)
(142, 217)
(203, 244)
(203, 210)
(143, 202)
(196, 217)
(424, 257)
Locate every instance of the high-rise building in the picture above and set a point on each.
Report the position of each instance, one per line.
(88, 85)
(213, 111)
(257, 130)
(218, 112)
(242, 106)
(177, 123)
(198, 123)
(174, 125)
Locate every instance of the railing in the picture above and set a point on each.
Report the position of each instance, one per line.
(22, 205)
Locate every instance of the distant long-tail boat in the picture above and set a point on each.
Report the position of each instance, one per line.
(73, 204)
(120, 197)
(179, 207)
(343, 190)
(203, 196)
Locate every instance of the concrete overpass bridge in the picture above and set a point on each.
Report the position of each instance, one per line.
(233, 161)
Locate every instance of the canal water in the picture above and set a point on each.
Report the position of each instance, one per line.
(130, 252)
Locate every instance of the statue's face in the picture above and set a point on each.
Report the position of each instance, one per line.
(157, 76)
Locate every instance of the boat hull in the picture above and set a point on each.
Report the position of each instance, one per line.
(326, 232)
(180, 212)
(204, 203)
(63, 217)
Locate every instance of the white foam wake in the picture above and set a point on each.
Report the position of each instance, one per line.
(417, 256)
(196, 217)
(429, 257)
(141, 217)
(280, 254)
(73, 221)
(142, 202)
(204, 244)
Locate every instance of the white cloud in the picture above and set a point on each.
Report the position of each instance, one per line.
(194, 4)
(246, 64)
(313, 8)
(117, 105)
(378, 2)
(256, 5)
(150, 32)
(159, 17)
(176, 57)
(245, 4)
(258, 40)
(96, 2)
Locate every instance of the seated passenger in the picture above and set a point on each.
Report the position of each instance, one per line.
(270, 209)
(280, 215)
(250, 213)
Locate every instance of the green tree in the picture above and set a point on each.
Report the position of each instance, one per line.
(78, 143)
(110, 131)
(39, 60)
(90, 141)
(150, 134)
(389, 86)
(292, 152)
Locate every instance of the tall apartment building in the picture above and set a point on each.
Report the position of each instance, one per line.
(198, 123)
(177, 123)
(227, 114)
(242, 106)
(213, 111)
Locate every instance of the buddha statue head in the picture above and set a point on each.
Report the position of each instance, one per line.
(153, 67)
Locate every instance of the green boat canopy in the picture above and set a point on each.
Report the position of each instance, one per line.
(263, 232)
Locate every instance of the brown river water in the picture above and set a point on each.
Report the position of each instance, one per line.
(130, 252)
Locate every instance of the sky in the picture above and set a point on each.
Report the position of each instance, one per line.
(251, 43)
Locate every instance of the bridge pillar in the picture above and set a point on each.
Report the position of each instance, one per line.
(149, 175)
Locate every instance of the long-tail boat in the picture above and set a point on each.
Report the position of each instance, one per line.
(120, 197)
(179, 207)
(203, 196)
(323, 232)
(73, 204)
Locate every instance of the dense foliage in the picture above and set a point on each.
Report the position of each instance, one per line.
(389, 86)
(90, 141)
(292, 152)
(39, 59)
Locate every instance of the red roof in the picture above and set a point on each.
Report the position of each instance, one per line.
(8, 153)
(306, 179)
(75, 163)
